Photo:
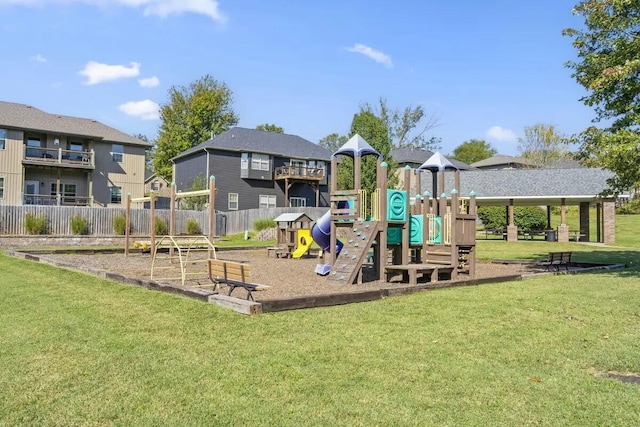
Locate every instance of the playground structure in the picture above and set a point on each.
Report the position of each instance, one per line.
(184, 246)
(293, 235)
(434, 234)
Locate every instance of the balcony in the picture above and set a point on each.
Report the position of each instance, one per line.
(59, 200)
(57, 157)
(299, 173)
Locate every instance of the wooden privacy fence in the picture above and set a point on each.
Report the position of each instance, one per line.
(99, 220)
(239, 221)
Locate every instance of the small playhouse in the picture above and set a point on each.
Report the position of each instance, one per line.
(293, 233)
(422, 234)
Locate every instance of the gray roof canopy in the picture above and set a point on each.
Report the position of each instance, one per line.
(529, 186)
(257, 141)
(357, 146)
(437, 162)
(21, 116)
(417, 156)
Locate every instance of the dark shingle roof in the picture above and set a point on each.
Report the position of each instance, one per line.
(21, 116)
(538, 185)
(416, 156)
(502, 160)
(257, 141)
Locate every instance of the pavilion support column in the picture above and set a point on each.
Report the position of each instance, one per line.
(608, 221)
(563, 228)
(584, 221)
(512, 230)
(548, 217)
(599, 222)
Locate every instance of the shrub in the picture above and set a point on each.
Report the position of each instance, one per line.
(160, 226)
(526, 218)
(79, 225)
(119, 224)
(263, 223)
(35, 224)
(193, 227)
(632, 207)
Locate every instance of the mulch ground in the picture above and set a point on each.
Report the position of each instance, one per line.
(288, 278)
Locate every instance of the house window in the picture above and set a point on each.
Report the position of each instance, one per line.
(117, 152)
(77, 149)
(116, 194)
(319, 167)
(298, 167)
(1, 187)
(297, 202)
(33, 147)
(267, 202)
(260, 162)
(232, 205)
(3, 139)
(155, 185)
(244, 161)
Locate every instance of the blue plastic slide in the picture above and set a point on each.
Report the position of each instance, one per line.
(321, 234)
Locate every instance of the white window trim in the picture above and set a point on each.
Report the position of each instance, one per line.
(269, 198)
(111, 195)
(115, 153)
(262, 161)
(229, 201)
(302, 199)
(244, 161)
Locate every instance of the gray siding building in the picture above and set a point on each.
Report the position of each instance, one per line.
(258, 169)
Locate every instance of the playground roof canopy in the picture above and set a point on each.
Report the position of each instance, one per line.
(437, 162)
(357, 146)
(292, 217)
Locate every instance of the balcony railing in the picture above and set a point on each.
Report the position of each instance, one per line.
(56, 200)
(59, 157)
(300, 172)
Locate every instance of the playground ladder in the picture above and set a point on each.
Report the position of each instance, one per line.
(356, 247)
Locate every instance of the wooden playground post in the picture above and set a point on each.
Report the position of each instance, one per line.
(152, 222)
(127, 225)
(381, 257)
(334, 188)
(405, 246)
(172, 215)
(212, 210)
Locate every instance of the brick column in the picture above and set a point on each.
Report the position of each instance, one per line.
(512, 230)
(608, 221)
(584, 221)
(563, 228)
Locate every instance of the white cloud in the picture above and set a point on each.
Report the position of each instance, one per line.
(369, 52)
(501, 134)
(162, 8)
(99, 73)
(149, 82)
(39, 58)
(146, 110)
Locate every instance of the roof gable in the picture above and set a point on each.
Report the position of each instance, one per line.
(21, 116)
(257, 141)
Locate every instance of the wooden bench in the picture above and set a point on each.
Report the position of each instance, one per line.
(556, 260)
(234, 274)
(410, 271)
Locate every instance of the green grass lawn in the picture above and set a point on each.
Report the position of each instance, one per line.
(78, 350)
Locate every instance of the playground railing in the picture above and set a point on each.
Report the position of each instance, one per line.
(345, 205)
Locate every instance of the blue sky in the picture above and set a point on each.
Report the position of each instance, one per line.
(487, 68)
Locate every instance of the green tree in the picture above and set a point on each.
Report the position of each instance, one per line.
(333, 142)
(196, 203)
(375, 131)
(608, 67)
(407, 127)
(268, 127)
(473, 151)
(542, 144)
(150, 152)
(192, 114)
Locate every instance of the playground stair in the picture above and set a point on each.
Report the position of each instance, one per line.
(356, 247)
